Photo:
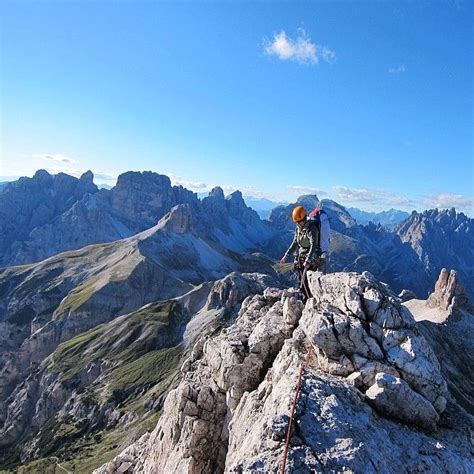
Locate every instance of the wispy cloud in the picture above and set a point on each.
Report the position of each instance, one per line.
(401, 68)
(301, 49)
(55, 158)
(379, 197)
(297, 189)
(101, 176)
(192, 185)
(448, 200)
(63, 169)
(250, 191)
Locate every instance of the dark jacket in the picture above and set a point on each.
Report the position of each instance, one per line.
(307, 240)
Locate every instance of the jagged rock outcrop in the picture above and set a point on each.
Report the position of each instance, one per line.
(364, 331)
(448, 294)
(440, 239)
(406, 295)
(230, 411)
(446, 319)
(33, 202)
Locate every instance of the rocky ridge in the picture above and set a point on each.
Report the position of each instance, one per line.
(116, 375)
(371, 377)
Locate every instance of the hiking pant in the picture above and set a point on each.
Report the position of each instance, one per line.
(319, 265)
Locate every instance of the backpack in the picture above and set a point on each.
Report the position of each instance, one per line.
(320, 217)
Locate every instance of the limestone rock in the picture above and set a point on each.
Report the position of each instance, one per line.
(292, 310)
(230, 412)
(394, 397)
(354, 320)
(448, 293)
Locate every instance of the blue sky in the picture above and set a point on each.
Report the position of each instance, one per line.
(368, 103)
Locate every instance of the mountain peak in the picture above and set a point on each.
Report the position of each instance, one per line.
(308, 200)
(42, 176)
(217, 192)
(143, 177)
(236, 200)
(87, 177)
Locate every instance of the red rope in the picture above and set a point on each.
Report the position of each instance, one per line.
(293, 407)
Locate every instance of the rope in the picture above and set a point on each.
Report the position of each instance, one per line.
(293, 407)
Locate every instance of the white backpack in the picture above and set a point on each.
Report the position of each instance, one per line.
(322, 219)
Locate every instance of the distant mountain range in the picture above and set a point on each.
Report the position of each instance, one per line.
(388, 218)
(263, 206)
(45, 215)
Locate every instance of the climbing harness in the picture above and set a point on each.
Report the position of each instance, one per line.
(293, 407)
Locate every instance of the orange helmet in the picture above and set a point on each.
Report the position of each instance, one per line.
(298, 213)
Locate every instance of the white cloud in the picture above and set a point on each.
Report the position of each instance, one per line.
(301, 49)
(100, 176)
(397, 69)
(448, 200)
(192, 185)
(378, 197)
(327, 54)
(55, 169)
(55, 158)
(300, 190)
(196, 185)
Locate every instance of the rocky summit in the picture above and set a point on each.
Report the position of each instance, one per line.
(373, 397)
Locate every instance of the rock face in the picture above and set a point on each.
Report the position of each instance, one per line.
(367, 367)
(30, 203)
(446, 319)
(439, 239)
(406, 295)
(363, 331)
(448, 294)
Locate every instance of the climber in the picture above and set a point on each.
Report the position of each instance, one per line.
(307, 238)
